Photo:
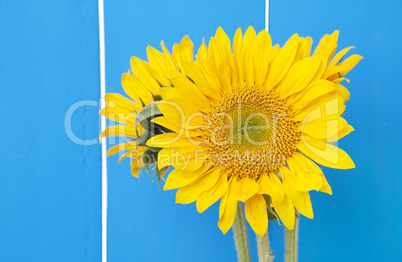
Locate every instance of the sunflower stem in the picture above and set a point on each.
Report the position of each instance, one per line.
(291, 242)
(240, 235)
(264, 251)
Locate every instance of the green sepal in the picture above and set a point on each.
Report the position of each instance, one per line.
(151, 158)
(158, 175)
(157, 97)
(147, 169)
(272, 215)
(161, 129)
(146, 114)
(142, 104)
(148, 158)
(143, 138)
(154, 149)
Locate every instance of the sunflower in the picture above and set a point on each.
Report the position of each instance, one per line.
(142, 85)
(250, 122)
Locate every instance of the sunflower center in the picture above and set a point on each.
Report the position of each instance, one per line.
(250, 132)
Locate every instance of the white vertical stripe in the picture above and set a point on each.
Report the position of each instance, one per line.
(103, 126)
(267, 15)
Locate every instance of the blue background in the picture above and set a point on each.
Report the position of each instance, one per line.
(50, 191)
(50, 187)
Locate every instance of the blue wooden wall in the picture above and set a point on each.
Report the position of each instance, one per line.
(144, 223)
(361, 220)
(49, 186)
(50, 190)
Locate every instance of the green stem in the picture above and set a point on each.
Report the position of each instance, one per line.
(291, 242)
(264, 252)
(240, 235)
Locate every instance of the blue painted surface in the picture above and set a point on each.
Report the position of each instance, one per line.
(361, 221)
(49, 186)
(145, 224)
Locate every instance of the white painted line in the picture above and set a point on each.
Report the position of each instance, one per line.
(103, 126)
(267, 15)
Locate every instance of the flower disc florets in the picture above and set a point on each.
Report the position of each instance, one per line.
(250, 132)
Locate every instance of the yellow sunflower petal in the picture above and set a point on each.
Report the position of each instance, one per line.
(195, 73)
(324, 128)
(339, 56)
(301, 75)
(127, 154)
(343, 68)
(118, 130)
(135, 171)
(163, 140)
(173, 140)
(274, 52)
(238, 55)
(283, 61)
(228, 215)
(326, 188)
(315, 90)
(260, 54)
(327, 46)
(182, 158)
(165, 122)
(306, 176)
(286, 212)
(181, 114)
(301, 200)
(168, 60)
(136, 157)
(343, 132)
(332, 156)
(180, 178)
(218, 60)
(339, 80)
(304, 49)
(191, 192)
(202, 53)
(136, 90)
(141, 70)
(117, 100)
(247, 47)
(271, 185)
(349, 63)
(209, 197)
(182, 90)
(330, 104)
(157, 61)
(123, 146)
(244, 189)
(256, 214)
(183, 51)
(303, 204)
